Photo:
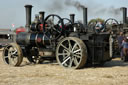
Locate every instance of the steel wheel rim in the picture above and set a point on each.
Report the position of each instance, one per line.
(10, 55)
(69, 53)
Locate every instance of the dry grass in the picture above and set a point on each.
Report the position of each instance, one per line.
(112, 73)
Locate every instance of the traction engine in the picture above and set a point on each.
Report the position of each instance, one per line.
(73, 44)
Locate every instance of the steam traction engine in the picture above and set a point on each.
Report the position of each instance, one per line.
(116, 28)
(72, 44)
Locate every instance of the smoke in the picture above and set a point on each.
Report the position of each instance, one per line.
(114, 10)
(110, 11)
(95, 10)
(60, 5)
(75, 4)
(55, 6)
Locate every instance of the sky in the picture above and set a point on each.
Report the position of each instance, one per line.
(13, 11)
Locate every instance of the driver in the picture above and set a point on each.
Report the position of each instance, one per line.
(99, 27)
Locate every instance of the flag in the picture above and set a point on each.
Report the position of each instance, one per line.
(13, 25)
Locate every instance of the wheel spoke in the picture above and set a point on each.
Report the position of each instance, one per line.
(70, 46)
(71, 62)
(10, 59)
(76, 51)
(78, 56)
(76, 61)
(74, 46)
(15, 52)
(14, 60)
(65, 47)
(65, 60)
(65, 51)
(9, 54)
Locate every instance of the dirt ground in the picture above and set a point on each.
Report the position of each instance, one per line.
(112, 73)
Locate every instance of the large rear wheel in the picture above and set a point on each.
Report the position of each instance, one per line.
(71, 52)
(12, 54)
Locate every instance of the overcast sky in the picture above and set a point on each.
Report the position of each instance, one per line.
(13, 11)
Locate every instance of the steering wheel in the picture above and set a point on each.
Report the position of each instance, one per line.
(92, 23)
(52, 28)
(111, 25)
(68, 25)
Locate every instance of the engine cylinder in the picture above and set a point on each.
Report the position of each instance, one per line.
(37, 27)
(33, 39)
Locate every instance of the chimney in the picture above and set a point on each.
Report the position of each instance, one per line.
(124, 9)
(28, 16)
(72, 17)
(85, 16)
(41, 16)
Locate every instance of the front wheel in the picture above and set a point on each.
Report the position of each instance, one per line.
(71, 52)
(12, 54)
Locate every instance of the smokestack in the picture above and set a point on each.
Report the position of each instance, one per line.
(41, 16)
(124, 9)
(85, 16)
(72, 17)
(28, 16)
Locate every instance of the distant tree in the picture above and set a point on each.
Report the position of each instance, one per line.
(94, 21)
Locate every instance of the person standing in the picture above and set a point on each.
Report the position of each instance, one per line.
(120, 39)
(125, 49)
